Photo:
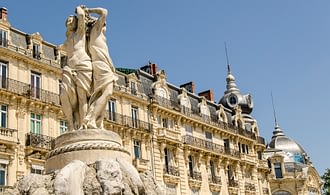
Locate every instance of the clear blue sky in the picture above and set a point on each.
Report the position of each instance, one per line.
(278, 46)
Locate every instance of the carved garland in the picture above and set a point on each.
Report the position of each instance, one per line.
(85, 146)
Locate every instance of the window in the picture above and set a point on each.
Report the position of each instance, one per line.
(239, 147)
(36, 171)
(212, 169)
(63, 126)
(133, 88)
(243, 148)
(35, 84)
(188, 129)
(137, 149)
(36, 51)
(208, 136)
(230, 173)
(165, 122)
(259, 155)
(112, 110)
(3, 116)
(3, 174)
(3, 38)
(64, 60)
(167, 158)
(134, 117)
(278, 170)
(3, 74)
(226, 145)
(35, 123)
(191, 165)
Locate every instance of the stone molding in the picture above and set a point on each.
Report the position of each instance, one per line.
(86, 146)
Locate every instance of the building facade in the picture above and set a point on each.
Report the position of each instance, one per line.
(191, 143)
(292, 171)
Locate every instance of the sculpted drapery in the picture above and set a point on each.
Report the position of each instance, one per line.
(89, 74)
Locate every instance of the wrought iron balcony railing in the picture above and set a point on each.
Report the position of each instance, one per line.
(136, 123)
(166, 102)
(39, 141)
(214, 179)
(233, 183)
(200, 143)
(171, 170)
(27, 90)
(29, 53)
(196, 175)
(128, 121)
(250, 187)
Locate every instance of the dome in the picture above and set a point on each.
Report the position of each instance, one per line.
(233, 98)
(279, 141)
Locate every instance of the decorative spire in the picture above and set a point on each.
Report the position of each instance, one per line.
(278, 131)
(231, 84)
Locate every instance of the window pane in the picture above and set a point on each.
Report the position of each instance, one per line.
(2, 177)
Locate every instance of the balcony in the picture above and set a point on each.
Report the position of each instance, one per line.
(250, 188)
(167, 103)
(8, 135)
(25, 89)
(114, 117)
(204, 144)
(39, 142)
(171, 174)
(251, 159)
(136, 123)
(194, 179)
(171, 170)
(168, 133)
(214, 183)
(141, 164)
(28, 53)
(131, 92)
(233, 187)
(214, 179)
(127, 121)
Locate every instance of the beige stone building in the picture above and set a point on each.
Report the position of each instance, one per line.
(191, 143)
(292, 171)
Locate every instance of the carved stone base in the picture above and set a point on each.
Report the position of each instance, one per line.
(87, 146)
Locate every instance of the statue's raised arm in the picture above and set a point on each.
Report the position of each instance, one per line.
(103, 68)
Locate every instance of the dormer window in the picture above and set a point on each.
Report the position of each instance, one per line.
(278, 170)
(133, 88)
(36, 51)
(3, 38)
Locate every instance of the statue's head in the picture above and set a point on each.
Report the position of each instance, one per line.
(71, 23)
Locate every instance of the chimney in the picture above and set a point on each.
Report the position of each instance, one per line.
(208, 94)
(190, 86)
(3, 13)
(153, 68)
(150, 68)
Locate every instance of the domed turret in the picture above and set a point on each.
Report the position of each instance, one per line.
(234, 98)
(294, 152)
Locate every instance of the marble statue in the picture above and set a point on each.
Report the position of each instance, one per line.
(89, 74)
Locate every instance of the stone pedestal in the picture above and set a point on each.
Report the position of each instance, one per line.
(88, 146)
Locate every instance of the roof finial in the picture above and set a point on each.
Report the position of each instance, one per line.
(228, 65)
(276, 124)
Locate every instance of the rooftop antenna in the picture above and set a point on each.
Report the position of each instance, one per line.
(228, 65)
(276, 124)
